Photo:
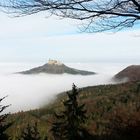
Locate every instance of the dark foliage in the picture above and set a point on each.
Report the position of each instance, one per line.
(3, 124)
(127, 128)
(30, 133)
(68, 123)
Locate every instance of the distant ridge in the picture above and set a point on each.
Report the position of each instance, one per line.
(56, 67)
(131, 73)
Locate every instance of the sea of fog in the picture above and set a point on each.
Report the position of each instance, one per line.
(27, 92)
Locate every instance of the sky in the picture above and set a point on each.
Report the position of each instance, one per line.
(36, 38)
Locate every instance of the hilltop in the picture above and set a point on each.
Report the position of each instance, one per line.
(56, 67)
(131, 73)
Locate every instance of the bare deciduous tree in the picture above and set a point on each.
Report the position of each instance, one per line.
(96, 15)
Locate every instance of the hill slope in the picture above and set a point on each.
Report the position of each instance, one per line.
(104, 104)
(131, 73)
(55, 67)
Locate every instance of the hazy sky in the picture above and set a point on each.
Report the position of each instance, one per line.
(36, 38)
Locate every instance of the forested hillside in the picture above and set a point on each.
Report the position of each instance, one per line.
(113, 112)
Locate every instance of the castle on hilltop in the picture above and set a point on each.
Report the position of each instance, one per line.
(54, 62)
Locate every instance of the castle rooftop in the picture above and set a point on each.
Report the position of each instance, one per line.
(54, 62)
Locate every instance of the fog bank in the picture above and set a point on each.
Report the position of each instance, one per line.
(33, 91)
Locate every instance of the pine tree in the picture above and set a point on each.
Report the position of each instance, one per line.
(68, 123)
(3, 124)
(30, 133)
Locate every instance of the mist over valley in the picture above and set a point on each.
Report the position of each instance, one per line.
(27, 92)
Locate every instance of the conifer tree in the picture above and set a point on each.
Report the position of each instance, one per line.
(30, 133)
(68, 123)
(3, 124)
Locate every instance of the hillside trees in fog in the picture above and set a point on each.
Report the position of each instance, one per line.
(30, 133)
(4, 125)
(95, 15)
(68, 122)
(113, 114)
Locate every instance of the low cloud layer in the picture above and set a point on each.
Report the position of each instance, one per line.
(33, 91)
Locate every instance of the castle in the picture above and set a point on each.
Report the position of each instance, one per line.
(54, 62)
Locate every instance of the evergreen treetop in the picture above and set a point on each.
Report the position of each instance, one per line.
(68, 123)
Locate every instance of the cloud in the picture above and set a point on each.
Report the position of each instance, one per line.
(36, 38)
(122, 46)
(33, 26)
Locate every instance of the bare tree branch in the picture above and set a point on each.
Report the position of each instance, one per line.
(97, 15)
